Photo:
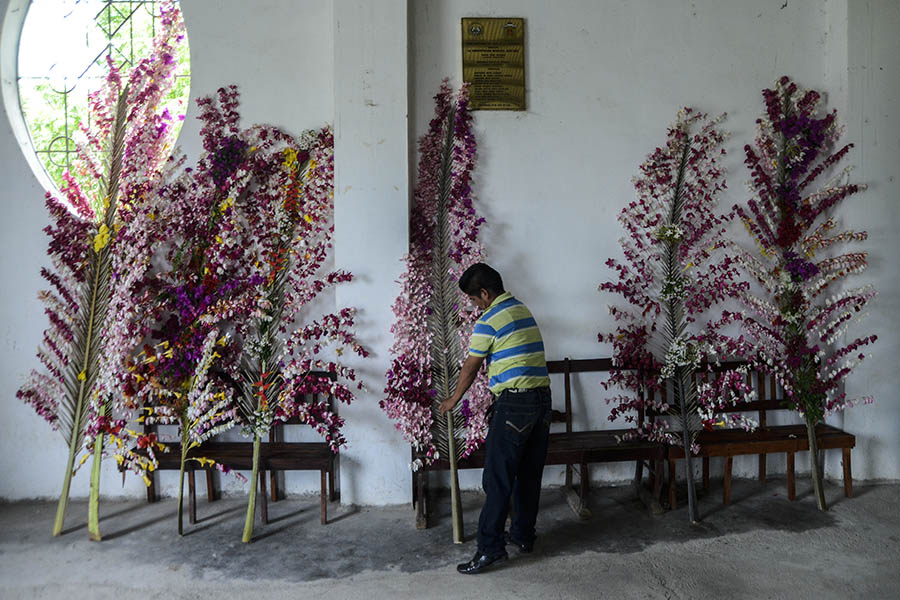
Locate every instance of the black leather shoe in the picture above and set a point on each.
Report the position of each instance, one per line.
(480, 562)
(522, 546)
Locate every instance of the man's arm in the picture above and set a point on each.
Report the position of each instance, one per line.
(467, 375)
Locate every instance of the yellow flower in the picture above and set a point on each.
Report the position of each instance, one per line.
(225, 204)
(147, 481)
(307, 218)
(82, 376)
(290, 157)
(102, 238)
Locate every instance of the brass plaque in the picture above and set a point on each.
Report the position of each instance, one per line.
(493, 58)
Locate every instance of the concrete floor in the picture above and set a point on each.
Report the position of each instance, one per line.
(762, 546)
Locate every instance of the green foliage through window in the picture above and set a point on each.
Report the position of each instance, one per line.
(63, 57)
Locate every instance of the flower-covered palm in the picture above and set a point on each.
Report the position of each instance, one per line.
(201, 407)
(291, 205)
(432, 330)
(100, 250)
(673, 273)
(447, 159)
(205, 279)
(793, 323)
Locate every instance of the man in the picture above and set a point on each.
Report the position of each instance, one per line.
(508, 338)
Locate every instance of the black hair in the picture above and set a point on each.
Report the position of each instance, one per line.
(481, 276)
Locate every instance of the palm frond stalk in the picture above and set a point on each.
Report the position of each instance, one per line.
(670, 279)
(682, 381)
(261, 383)
(101, 293)
(91, 300)
(794, 326)
(443, 320)
(431, 330)
(272, 209)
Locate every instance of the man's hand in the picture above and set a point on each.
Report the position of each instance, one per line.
(467, 374)
(447, 405)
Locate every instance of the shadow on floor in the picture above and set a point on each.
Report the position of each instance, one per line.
(296, 547)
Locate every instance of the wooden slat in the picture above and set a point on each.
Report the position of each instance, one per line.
(726, 483)
(581, 365)
(192, 498)
(323, 500)
(791, 483)
(848, 475)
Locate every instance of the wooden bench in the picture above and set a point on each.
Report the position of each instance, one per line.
(275, 456)
(767, 439)
(574, 449)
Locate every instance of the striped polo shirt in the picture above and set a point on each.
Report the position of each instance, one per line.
(508, 336)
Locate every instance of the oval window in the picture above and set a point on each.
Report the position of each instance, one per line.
(62, 57)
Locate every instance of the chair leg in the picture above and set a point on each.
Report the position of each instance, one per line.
(192, 498)
(210, 486)
(151, 489)
(568, 476)
(726, 481)
(705, 472)
(264, 501)
(421, 491)
(638, 472)
(792, 487)
(332, 488)
(672, 500)
(762, 468)
(585, 484)
(323, 497)
(658, 480)
(848, 475)
(273, 482)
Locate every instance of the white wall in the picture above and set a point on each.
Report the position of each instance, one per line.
(604, 80)
(874, 125)
(371, 216)
(280, 54)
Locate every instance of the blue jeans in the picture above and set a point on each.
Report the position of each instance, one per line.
(516, 449)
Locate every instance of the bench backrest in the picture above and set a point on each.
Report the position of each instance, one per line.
(767, 397)
(567, 367)
(331, 375)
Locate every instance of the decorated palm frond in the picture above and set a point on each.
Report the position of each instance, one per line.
(252, 259)
(432, 329)
(443, 323)
(672, 276)
(798, 332)
(248, 230)
(201, 409)
(97, 259)
(281, 356)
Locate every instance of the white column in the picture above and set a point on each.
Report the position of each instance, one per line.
(873, 124)
(371, 103)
